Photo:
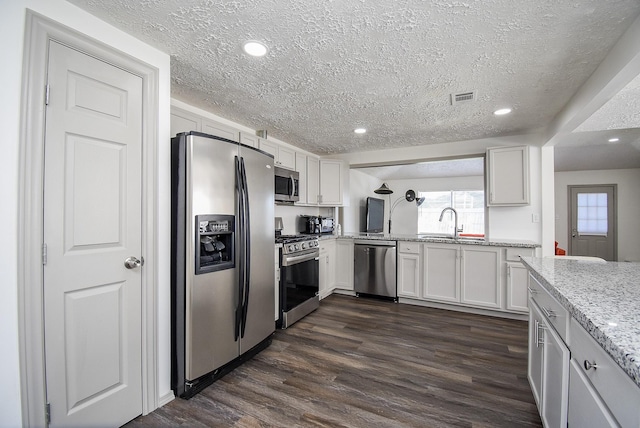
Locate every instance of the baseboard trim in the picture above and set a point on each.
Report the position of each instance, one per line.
(466, 309)
(166, 399)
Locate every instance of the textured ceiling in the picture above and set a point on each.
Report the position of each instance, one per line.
(388, 66)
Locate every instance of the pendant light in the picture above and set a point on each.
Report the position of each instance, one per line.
(383, 190)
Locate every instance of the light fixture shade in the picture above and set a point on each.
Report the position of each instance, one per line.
(419, 201)
(410, 196)
(383, 190)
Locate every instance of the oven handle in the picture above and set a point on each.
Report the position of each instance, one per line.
(294, 260)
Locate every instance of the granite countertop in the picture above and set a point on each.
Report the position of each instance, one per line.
(603, 297)
(438, 240)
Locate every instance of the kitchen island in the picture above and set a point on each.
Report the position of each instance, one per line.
(584, 341)
(604, 298)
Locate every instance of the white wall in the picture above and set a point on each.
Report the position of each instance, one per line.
(361, 186)
(628, 182)
(12, 27)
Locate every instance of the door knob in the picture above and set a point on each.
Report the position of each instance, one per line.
(132, 263)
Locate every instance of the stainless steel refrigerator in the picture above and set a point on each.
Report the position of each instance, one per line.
(223, 285)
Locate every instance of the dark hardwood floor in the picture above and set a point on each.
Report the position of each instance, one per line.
(358, 362)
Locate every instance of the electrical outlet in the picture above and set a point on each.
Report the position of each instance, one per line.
(535, 218)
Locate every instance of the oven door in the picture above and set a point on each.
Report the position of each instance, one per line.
(299, 281)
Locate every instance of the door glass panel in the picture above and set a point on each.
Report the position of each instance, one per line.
(592, 214)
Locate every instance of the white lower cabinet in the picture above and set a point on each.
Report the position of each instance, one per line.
(344, 264)
(408, 273)
(480, 276)
(441, 272)
(326, 267)
(548, 369)
(586, 408)
(517, 283)
(601, 394)
(467, 274)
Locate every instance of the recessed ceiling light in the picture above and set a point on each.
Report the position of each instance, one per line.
(254, 48)
(502, 111)
(614, 140)
(359, 130)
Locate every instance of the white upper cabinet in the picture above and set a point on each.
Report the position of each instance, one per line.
(249, 139)
(331, 182)
(313, 180)
(220, 130)
(183, 121)
(301, 168)
(508, 176)
(284, 157)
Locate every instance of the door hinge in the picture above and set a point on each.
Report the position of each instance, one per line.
(44, 254)
(46, 95)
(47, 413)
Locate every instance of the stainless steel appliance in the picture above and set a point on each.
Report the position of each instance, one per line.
(299, 278)
(287, 185)
(375, 268)
(222, 284)
(316, 225)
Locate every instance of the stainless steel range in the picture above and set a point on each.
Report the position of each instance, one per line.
(299, 267)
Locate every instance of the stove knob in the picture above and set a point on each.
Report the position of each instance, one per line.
(290, 247)
(297, 247)
(304, 245)
(315, 243)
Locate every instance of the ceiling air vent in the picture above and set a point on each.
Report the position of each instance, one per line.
(463, 97)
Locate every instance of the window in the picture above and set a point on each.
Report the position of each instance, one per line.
(592, 214)
(468, 203)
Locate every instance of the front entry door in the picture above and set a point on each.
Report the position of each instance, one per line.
(92, 224)
(593, 221)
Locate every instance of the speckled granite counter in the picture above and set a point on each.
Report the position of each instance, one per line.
(603, 297)
(437, 240)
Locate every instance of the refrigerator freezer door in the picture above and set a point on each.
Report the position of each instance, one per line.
(211, 298)
(261, 306)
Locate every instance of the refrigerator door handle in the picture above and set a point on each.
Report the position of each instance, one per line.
(247, 246)
(240, 258)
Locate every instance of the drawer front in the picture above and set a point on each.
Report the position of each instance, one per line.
(618, 391)
(554, 313)
(513, 254)
(409, 247)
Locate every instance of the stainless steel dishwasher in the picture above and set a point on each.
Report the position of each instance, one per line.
(375, 268)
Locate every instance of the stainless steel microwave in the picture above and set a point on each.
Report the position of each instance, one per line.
(287, 185)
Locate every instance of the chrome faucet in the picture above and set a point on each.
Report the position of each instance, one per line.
(455, 215)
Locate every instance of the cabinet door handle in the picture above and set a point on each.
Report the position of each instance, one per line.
(588, 365)
(532, 290)
(539, 336)
(548, 312)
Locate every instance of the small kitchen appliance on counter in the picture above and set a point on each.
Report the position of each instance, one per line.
(316, 225)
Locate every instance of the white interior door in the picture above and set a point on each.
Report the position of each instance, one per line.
(92, 223)
(593, 221)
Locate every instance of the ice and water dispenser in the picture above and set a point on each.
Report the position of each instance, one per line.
(215, 238)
